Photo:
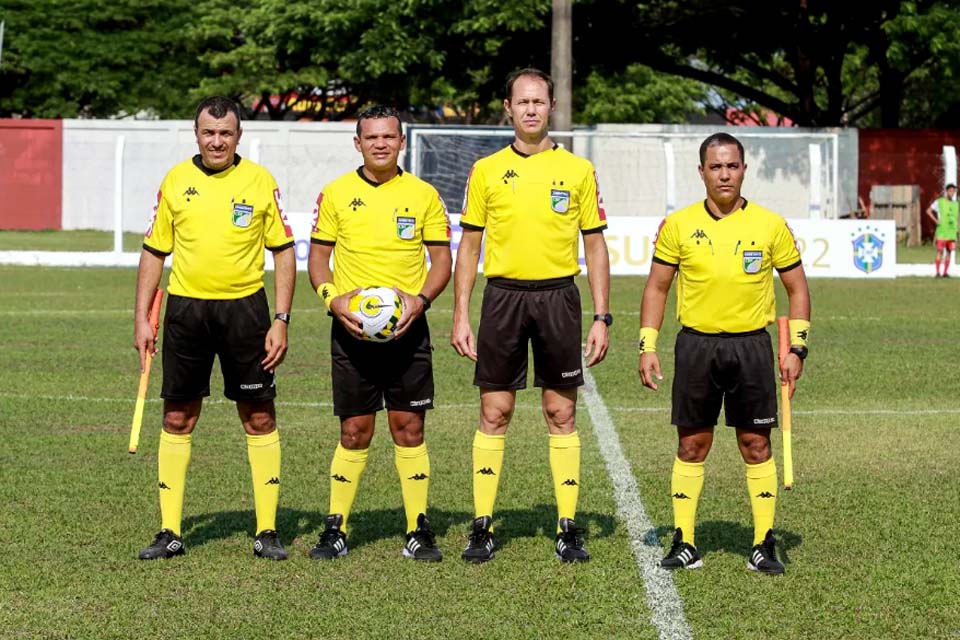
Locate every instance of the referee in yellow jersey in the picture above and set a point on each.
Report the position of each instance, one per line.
(216, 213)
(723, 251)
(376, 221)
(533, 200)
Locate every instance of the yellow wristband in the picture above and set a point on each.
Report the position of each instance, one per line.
(648, 339)
(327, 293)
(799, 330)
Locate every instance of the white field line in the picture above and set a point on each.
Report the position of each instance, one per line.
(665, 604)
(476, 405)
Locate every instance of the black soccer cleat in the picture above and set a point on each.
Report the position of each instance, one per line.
(480, 546)
(267, 545)
(569, 542)
(421, 544)
(165, 545)
(682, 555)
(763, 557)
(333, 542)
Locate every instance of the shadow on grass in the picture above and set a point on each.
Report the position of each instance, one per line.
(371, 525)
(730, 537)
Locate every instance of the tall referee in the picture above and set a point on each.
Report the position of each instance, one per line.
(533, 200)
(215, 213)
(725, 250)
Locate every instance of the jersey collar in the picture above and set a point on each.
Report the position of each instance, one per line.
(198, 163)
(370, 182)
(527, 155)
(711, 214)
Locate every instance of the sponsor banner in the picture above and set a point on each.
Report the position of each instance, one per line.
(829, 248)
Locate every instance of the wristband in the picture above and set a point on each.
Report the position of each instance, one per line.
(327, 293)
(648, 339)
(426, 301)
(798, 331)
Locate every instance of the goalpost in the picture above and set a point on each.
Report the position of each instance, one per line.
(652, 173)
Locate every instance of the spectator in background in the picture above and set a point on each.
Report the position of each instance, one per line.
(944, 213)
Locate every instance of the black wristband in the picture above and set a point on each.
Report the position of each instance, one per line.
(282, 316)
(800, 352)
(426, 301)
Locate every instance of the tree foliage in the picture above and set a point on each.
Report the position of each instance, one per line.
(91, 59)
(815, 62)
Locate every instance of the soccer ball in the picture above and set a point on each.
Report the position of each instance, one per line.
(379, 309)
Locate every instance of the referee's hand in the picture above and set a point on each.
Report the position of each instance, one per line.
(650, 369)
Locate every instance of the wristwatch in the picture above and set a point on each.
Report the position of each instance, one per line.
(282, 316)
(426, 301)
(800, 352)
(605, 318)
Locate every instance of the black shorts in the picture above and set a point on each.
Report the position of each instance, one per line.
(544, 312)
(733, 369)
(367, 375)
(196, 330)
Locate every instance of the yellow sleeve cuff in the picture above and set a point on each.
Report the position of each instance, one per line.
(327, 293)
(799, 330)
(648, 339)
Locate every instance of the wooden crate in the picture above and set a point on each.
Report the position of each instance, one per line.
(900, 203)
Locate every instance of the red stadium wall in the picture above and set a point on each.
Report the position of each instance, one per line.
(31, 172)
(905, 156)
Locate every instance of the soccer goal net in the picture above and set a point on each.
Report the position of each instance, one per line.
(651, 173)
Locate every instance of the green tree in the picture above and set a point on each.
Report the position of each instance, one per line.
(90, 59)
(639, 94)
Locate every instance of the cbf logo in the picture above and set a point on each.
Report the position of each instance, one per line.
(560, 200)
(867, 249)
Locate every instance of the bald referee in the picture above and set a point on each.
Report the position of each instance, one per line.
(216, 213)
(378, 222)
(725, 250)
(533, 200)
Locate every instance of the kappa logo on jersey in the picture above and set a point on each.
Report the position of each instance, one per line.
(356, 203)
(559, 200)
(191, 191)
(406, 227)
(752, 261)
(242, 214)
(699, 234)
(510, 174)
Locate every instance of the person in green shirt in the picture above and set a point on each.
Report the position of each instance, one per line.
(944, 213)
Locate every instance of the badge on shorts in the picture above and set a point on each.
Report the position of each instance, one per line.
(406, 227)
(242, 214)
(752, 261)
(559, 200)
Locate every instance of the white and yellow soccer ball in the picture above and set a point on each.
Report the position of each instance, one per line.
(379, 309)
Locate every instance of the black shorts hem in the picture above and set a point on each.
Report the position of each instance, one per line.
(499, 387)
(266, 398)
(175, 398)
(569, 385)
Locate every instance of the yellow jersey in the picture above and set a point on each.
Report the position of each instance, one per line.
(725, 281)
(533, 208)
(378, 230)
(217, 224)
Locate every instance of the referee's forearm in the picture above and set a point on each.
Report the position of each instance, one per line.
(285, 279)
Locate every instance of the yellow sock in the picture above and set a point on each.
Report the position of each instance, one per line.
(685, 487)
(264, 455)
(487, 465)
(346, 469)
(762, 485)
(565, 468)
(172, 462)
(413, 465)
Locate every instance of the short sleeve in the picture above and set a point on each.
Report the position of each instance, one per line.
(436, 223)
(277, 232)
(666, 246)
(785, 252)
(592, 215)
(474, 212)
(325, 223)
(159, 234)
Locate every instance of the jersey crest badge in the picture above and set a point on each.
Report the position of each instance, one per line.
(559, 200)
(868, 250)
(242, 214)
(752, 261)
(406, 227)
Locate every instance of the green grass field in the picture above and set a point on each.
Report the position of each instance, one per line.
(869, 531)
